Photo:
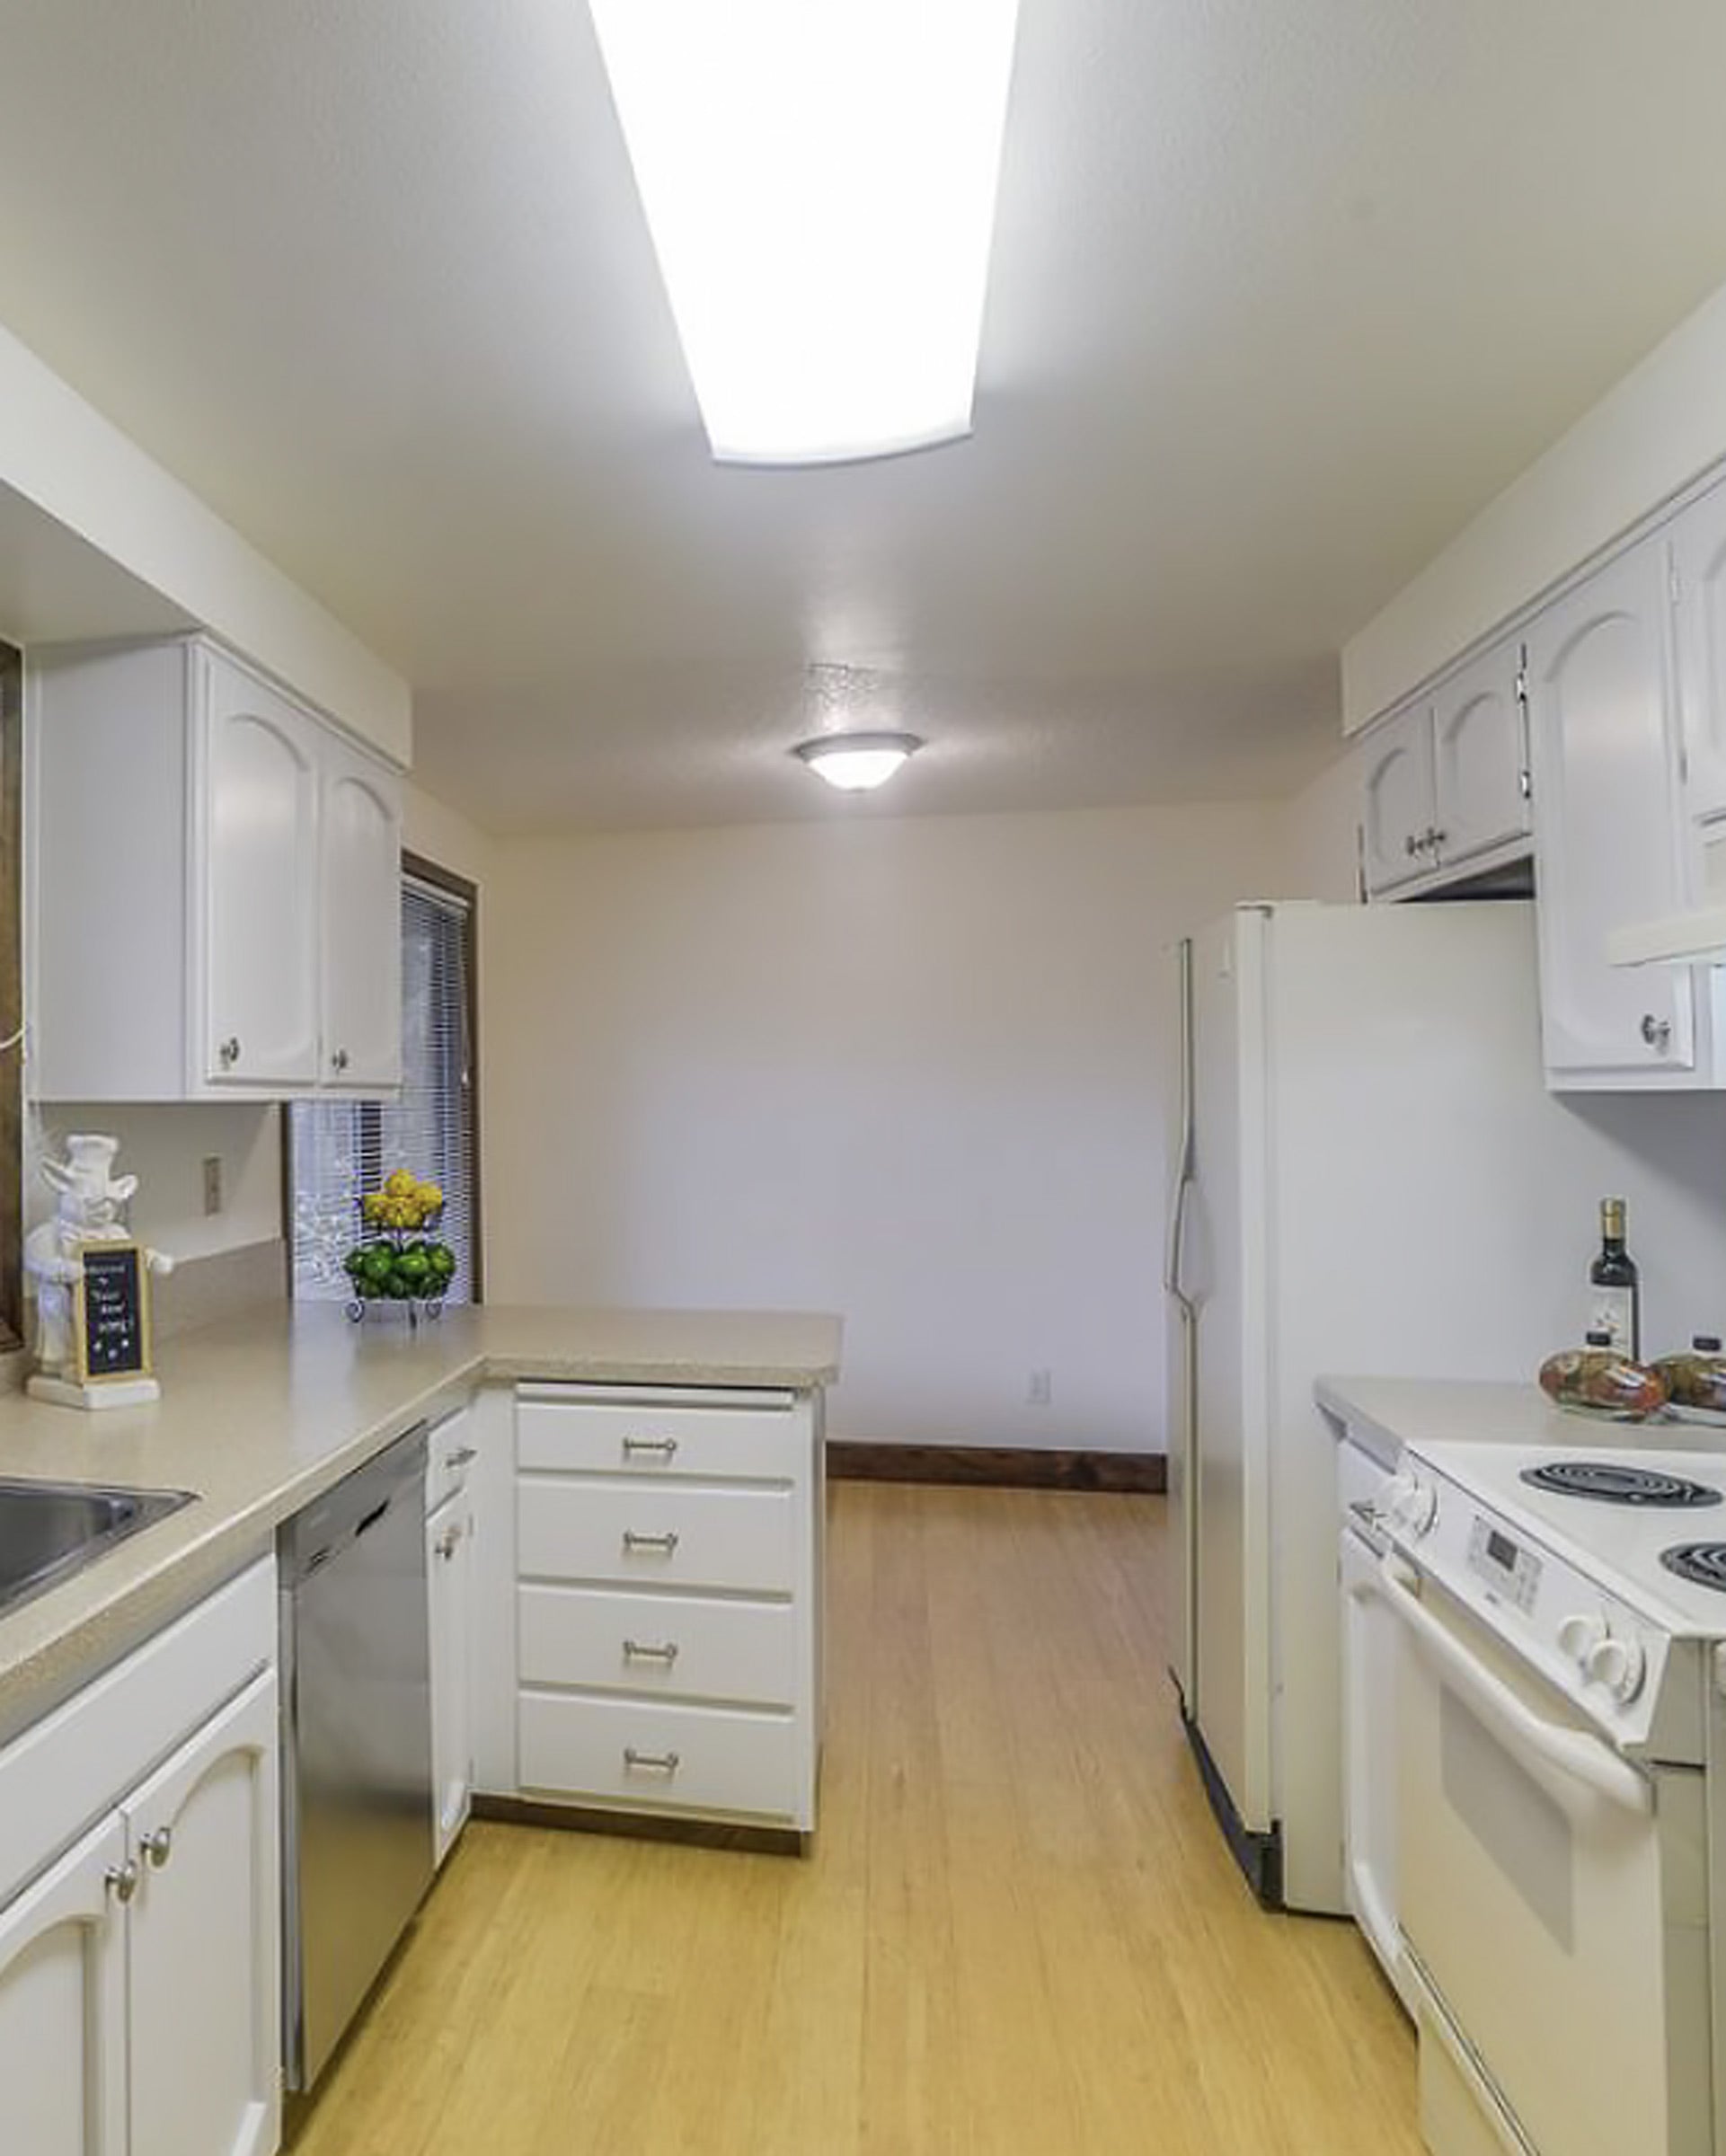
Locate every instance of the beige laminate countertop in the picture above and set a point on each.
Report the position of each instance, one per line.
(1383, 1414)
(259, 1415)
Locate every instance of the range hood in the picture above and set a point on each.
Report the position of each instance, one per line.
(1698, 935)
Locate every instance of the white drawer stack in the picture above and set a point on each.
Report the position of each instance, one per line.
(669, 1637)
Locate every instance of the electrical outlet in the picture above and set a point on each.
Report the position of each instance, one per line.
(1039, 1390)
(212, 1182)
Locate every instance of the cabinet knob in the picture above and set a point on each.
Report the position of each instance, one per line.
(1437, 838)
(229, 1051)
(122, 1880)
(159, 1846)
(447, 1542)
(462, 1455)
(1410, 846)
(1655, 1032)
(339, 1059)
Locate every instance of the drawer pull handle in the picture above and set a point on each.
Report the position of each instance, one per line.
(663, 1448)
(633, 1651)
(655, 1763)
(665, 1544)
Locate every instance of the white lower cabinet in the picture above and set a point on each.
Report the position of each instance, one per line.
(139, 1950)
(203, 2004)
(63, 2006)
(667, 1600)
(449, 1587)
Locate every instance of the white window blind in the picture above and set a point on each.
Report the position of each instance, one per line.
(341, 1148)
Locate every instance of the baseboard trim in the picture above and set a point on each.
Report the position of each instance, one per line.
(640, 1826)
(998, 1466)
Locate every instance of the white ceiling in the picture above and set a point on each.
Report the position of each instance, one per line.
(1281, 295)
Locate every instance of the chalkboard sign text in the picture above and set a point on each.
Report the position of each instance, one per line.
(111, 1312)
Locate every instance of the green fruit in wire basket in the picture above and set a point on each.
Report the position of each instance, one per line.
(442, 1259)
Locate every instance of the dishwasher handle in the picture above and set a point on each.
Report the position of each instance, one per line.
(353, 1506)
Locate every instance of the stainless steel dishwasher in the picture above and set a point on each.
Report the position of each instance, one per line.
(357, 1781)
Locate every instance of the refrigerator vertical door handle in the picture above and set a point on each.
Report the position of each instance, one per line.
(1184, 1159)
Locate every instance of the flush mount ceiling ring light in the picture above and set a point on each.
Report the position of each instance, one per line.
(856, 763)
(818, 177)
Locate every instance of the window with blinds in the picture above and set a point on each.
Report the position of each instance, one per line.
(340, 1148)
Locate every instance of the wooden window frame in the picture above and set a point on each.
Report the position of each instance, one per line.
(458, 887)
(12, 998)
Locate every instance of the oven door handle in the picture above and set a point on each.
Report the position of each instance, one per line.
(1571, 1752)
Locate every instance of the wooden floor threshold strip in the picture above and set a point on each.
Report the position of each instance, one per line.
(999, 1467)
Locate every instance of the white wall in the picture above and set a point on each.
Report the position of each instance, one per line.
(1316, 828)
(440, 833)
(165, 1145)
(911, 1071)
(59, 454)
(1647, 437)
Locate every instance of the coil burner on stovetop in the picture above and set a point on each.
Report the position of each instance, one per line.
(1617, 1482)
(1704, 1564)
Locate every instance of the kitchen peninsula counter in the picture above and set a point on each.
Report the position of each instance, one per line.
(259, 1415)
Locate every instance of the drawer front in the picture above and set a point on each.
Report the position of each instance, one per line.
(611, 1437)
(58, 1776)
(681, 1643)
(645, 1754)
(655, 1535)
(449, 1455)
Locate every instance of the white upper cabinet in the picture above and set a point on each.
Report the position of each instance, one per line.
(260, 818)
(1444, 784)
(1396, 800)
(1698, 540)
(1480, 763)
(360, 907)
(217, 906)
(1608, 831)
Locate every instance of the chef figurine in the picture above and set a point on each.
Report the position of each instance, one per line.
(87, 1209)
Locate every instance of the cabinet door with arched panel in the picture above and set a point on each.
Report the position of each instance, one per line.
(1396, 804)
(63, 2004)
(1698, 541)
(260, 916)
(205, 1989)
(1608, 834)
(1480, 776)
(361, 904)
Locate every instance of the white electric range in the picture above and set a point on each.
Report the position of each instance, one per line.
(1561, 1793)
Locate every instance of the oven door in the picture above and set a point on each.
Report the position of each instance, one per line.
(1552, 1901)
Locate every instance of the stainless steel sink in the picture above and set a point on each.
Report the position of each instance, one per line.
(51, 1529)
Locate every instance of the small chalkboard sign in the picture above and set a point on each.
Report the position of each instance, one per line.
(111, 1313)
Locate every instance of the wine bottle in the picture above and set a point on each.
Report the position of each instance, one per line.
(1614, 1291)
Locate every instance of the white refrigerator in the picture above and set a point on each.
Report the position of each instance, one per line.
(1370, 1178)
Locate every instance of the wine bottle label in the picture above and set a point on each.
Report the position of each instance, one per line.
(1611, 1311)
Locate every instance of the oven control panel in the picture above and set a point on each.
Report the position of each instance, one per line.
(1504, 1563)
(1563, 1625)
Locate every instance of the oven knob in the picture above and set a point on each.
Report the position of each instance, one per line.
(1620, 1665)
(1578, 1636)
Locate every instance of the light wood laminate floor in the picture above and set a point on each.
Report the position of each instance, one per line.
(1019, 1931)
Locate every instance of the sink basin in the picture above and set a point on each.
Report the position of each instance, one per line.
(51, 1529)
